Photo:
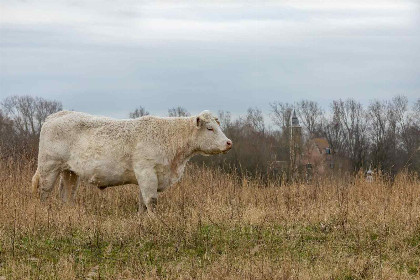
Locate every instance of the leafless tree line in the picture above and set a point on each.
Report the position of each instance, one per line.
(21, 118)
(384, 134)
(172, 112)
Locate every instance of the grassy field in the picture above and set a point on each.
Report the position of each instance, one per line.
(213, 226)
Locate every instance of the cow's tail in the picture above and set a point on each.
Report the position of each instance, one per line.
(35, 182)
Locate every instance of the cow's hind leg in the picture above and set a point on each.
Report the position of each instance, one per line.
(47, 178)
(35, 182)
(68, 185)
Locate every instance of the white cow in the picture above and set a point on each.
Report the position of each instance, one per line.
(149, 151)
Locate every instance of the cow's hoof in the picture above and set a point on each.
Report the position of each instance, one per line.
(44, 195)
(151, 215)
(151, 206)
(142, 209)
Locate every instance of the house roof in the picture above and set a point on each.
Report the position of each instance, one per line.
(321, 143)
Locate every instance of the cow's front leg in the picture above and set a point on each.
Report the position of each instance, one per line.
(148, 184)
(142, 206)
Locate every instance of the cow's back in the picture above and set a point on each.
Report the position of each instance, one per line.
(66, 133)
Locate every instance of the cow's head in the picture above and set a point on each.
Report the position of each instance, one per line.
(210, 138)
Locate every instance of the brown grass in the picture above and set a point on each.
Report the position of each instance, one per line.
(213, 226)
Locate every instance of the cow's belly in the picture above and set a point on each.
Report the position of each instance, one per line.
(104, 173)
(101, 179)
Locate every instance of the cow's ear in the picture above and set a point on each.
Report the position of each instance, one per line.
(198, 122)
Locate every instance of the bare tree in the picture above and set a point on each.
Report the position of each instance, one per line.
(333, 132)
(281, 114)
(21, 121)
(44, 108)
(21, 109)
(138, 112)
(394, 137)
(29, 113)
(310, 113)
(255, 119)
(178, 112)
(352, 127)
(410, 137)
(225, 119)
(5, 122)
(379, 127)
(7, 135)
(416, 111)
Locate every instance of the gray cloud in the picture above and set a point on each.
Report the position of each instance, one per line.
(103, 60)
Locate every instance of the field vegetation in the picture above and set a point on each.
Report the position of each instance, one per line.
(214, 225)
(242, 222)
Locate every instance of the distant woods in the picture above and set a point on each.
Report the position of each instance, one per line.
(178, 112)
(172, 112)
(21, 118)
(382, 135)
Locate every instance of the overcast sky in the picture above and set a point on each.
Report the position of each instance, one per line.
(107, 57)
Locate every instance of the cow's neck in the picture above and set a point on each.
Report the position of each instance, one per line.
(181, 157)
(184, 149)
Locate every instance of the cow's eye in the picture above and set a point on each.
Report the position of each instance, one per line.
(209, 128)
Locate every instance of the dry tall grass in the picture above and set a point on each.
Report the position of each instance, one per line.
(213, 226)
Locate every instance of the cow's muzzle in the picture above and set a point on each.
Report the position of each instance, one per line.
(228, 146)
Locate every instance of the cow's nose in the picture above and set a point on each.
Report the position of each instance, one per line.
(229, 143)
